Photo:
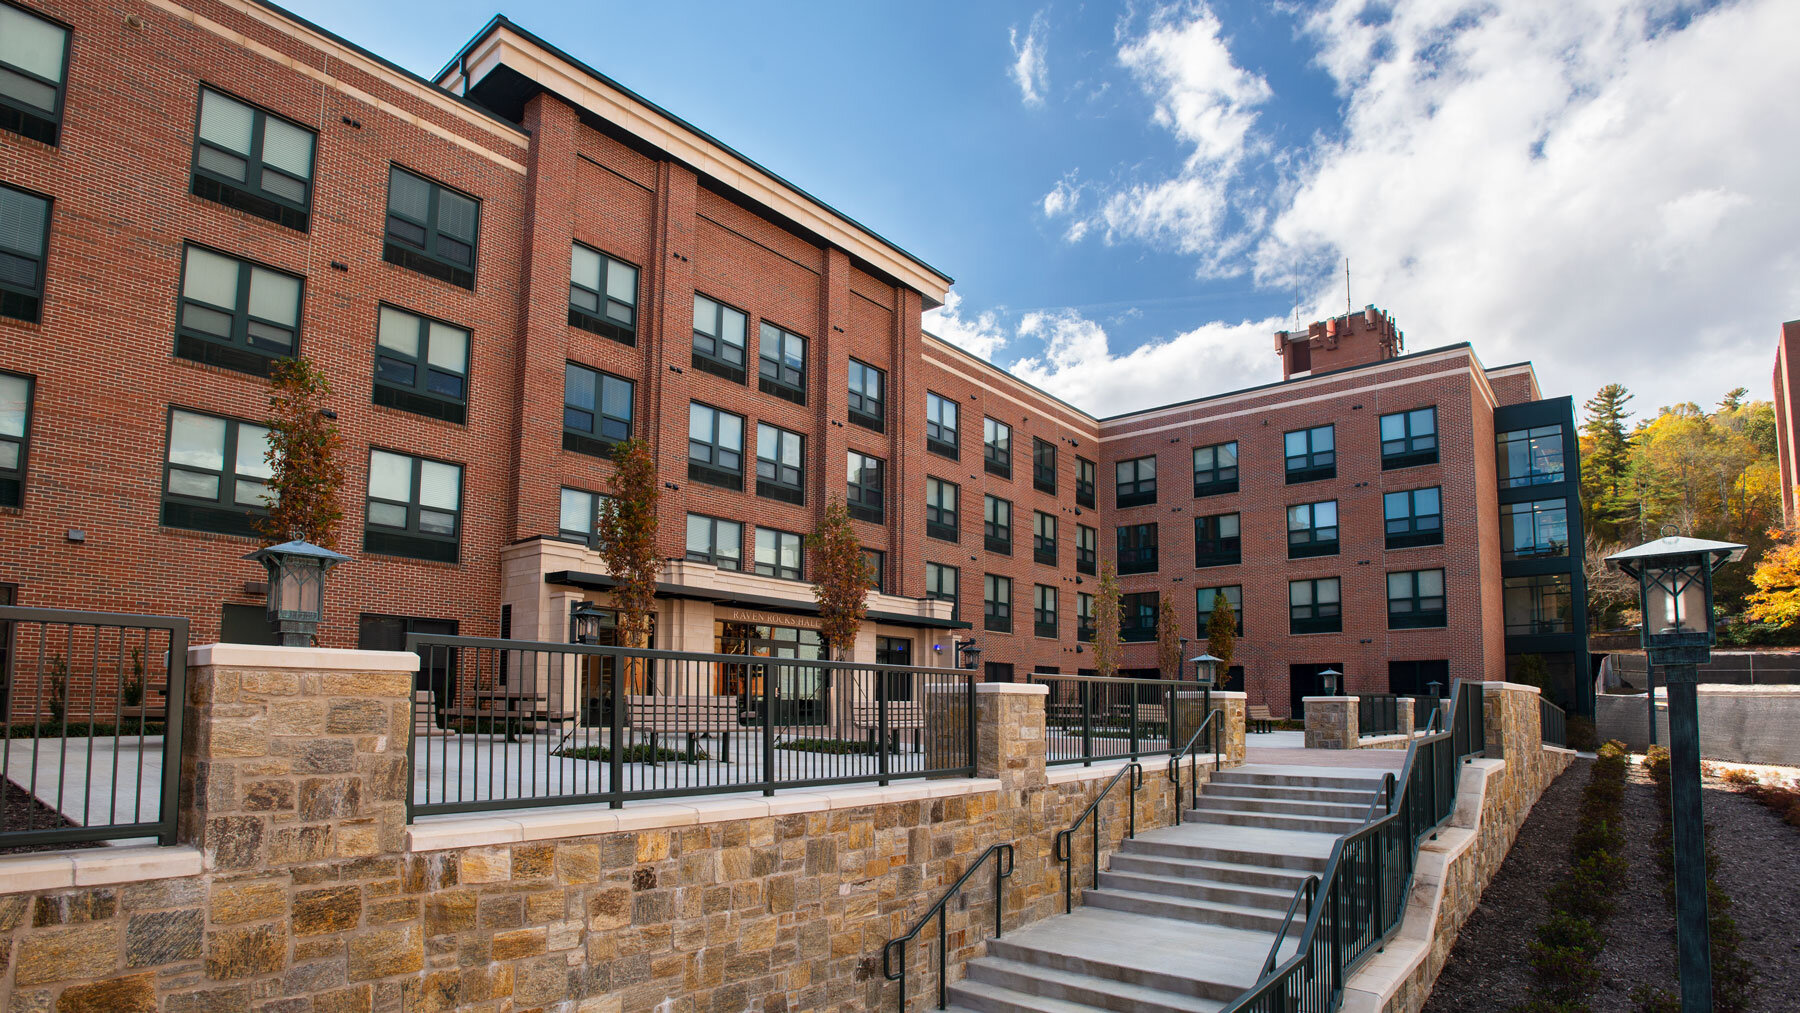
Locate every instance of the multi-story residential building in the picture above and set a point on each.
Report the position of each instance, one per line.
(508, 269)
(1787, 384)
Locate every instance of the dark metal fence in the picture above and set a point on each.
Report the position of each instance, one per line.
(1553, 724)
(88, 749)
(503, 724)
(1378, 714)
(1357, 904)
(1088, 718)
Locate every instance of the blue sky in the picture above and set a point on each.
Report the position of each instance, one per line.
(1133, 197)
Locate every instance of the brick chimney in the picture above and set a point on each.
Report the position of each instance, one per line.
(1355, 339)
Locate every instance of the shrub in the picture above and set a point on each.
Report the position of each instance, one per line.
(1738, 777)
(131, 691)
(838, 747)
(637, 753)
(1650, 999)
(1656, 764)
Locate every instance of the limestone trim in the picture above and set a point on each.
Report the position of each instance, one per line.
(1154, 766)
(1495, 687)
(312, 658)
(1020, 688)
(57, 870)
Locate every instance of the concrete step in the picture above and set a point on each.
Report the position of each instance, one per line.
(1354, 782)
(1266, 877)
(1198, 889)
(1288, 792)
(1203, 961)
(1205, 853)
(1335, 810)
(1097, 991)
(1272, 821)
(982, 997)
(1154, 905)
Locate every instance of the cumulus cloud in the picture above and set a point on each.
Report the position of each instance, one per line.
(1031, 66)
(981, 334)
(1078, 365)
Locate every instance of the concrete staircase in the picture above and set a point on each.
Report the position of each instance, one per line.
(1182, 917)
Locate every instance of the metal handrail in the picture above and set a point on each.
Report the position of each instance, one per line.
(1065, 838)
(1385, 791)
(1003, 869)
(1188, 752)
(1308, 888)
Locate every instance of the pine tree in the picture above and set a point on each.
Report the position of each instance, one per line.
(303, 458)
(1106, 623)
(1168, 641)
(841, 579)
(1221, 634)
(627, 539)
(1607, 493)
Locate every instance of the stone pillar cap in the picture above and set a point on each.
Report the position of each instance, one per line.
(322, 659)
(1022, 688)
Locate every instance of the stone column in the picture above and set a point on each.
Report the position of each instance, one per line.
(1330, 722)
(1009, 735)
(1405, 706)
(1235, 706)
(1230, 708)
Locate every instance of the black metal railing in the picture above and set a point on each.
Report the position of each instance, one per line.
(1065, 839)
(90, 738)
(1209, 728)
(1357, 903)
(1089, 718)
(504, 724)
(1553, 724)
(1003, 868)
(1378, 714)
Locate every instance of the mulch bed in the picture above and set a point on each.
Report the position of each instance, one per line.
(26, 813)
(1489, 970)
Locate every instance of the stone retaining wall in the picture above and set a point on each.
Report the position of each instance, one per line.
(315, 897)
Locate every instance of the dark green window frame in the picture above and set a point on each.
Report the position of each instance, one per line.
(865, 486)
(421, 239)
(996, 524)
(1534, 529)
(1084, 617)
(781, 545)
(31, 116)
(721, 338)
(1218, 540)
(780, 464)
(1087, 473)
(996, 447)
(233, 336)
(594, 419)
(1529, 457)
(996, 603)
(1409, 438)
(1216, 469)
(603, 294)
(1415, 600)
(1311, 454)
(876, 562)
(1135, 482)
(781, 363)
(1043, 465)
(941, 519)
(1087, 549)
(868, 387)
(262, 184)
(713, 545)
(239, 484)
(1043, 613)
(1413, 517)
(1043, 538)
(1538, 604)
(715, 446)
(24, 218)
(16, 392)
(940, 425)
(1315, 606)
(936, 576)
(1137, 616)
(419, 530)
(1137, 548)
(427, 380)
(1312, 529)
(580, 503)
(1203, 601)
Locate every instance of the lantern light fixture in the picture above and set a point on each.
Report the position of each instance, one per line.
(297, 571)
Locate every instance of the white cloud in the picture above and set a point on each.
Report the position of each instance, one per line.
(1078, 365)
(1031, 67)
(981, 335)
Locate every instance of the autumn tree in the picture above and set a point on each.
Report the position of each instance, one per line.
(1106, 623)
(1612, 596)
(1221, 634)
(627, 539)
(1168, 642)
(305, 472)
(841, 579)
(1776, 600)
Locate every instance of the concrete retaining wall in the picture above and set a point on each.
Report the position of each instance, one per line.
(1738, 724)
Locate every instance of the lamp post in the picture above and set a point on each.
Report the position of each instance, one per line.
(1205, 675)
(1675, 590)
(296, 587)
(967, 653)
(1330, 678)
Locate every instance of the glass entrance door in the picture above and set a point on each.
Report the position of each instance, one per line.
(802, 692)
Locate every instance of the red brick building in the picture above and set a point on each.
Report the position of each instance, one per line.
(1787, 383)
(507, 269)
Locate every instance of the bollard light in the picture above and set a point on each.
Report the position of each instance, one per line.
(297, 587)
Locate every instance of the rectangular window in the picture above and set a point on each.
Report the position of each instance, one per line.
(864, 496)
(781, 364)
(1084, 617)
(603, 295)
(217, 474)
(1217, 541)
(875, 561)
(1313, 529)
(15, 438)
(1087, 549)
(1542, 603)
(414, 507)
(940, 510)
(421, 365)
(34, 60)
(1415, 599)
(997, 524)
(715, 541)
(1409, 439)
(779, 458)
(1534, 528)
(719, 334)
(1136, 482)
(715, 447)
(940, 584)
(894, 685)
(1413, 517)
(997, 671)
(1137, 548)
(431, 229)
(1137, 617)
(236, 314)
(1216, 469)
(579, 518)
(1207, 597)
(996, 603)
(251, 160)
(1043, 538)
(1086, 474)
(24, 238)
(868, 407)
(1529, 457)
(940, 425)
(996, 447)
(778, 553)
(1313, 606)
(596, 410)
(1043, 615)
(1311, 454)
(1043, 465)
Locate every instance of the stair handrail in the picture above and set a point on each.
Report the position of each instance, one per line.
(1187, 752)
(1003, 870)
(1308, 888)
(1065, 838)
(1386, 791)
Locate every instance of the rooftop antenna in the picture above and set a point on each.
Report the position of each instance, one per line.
(1296, 307)
(1347, 303)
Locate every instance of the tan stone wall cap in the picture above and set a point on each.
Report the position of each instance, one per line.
(1023, 688)
(1328, 699)
(1519, 686)
(315, 658)
(56, 870)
